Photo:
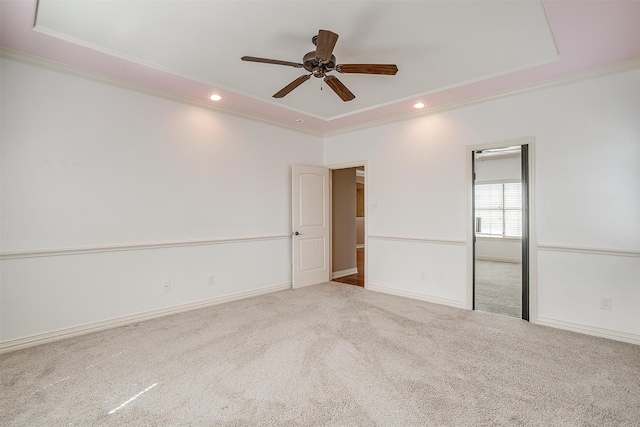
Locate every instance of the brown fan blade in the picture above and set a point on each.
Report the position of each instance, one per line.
(387, 69)
(271, 61)
(291, 86)
(324, 45)
(339, 88)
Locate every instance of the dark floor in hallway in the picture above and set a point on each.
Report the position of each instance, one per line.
(355, 279)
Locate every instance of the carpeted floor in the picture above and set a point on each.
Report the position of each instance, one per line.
(329, 354)
(498, 287)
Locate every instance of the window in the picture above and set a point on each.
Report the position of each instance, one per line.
(498, 209)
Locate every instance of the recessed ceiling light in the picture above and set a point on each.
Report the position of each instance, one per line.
(419, 105)
(300, 121)
(215, 97)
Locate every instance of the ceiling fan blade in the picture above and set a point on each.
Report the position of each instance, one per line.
(324, 45)
(340, 89)
(291, 86)
(271, 61)
(387, 69)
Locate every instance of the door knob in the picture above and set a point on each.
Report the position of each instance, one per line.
(297, 234)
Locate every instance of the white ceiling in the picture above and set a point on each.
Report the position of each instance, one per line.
(435, 44)
(446, 51)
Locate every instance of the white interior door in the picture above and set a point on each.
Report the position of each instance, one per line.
(310, 234)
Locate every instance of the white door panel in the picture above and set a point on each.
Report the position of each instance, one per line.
(310, 217)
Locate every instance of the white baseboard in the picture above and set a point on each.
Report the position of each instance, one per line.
(589, 330)
(415, 295)
(60, 334)
(543, 321)
(342, 273)
(498, 259)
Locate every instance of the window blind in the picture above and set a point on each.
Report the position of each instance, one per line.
(498, 209)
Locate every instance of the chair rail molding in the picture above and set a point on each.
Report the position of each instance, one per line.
(135, 247)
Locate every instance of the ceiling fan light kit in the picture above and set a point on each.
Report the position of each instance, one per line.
(322, 61)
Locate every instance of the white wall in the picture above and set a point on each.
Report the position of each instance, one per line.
(87, 165)
(587, 199)
(499, 249)
(498, 169)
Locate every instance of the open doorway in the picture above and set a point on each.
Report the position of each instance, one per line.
(348, 225)
(500, 230)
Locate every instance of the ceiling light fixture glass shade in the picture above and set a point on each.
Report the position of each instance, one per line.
(215, 97)
(419, 105)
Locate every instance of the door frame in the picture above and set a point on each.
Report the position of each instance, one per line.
(533, 282)
(349, 165)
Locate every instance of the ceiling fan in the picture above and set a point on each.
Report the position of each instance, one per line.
(322, 61)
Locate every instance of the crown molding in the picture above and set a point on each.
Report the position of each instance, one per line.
(124, 84)
(70, 70)
(595, 73)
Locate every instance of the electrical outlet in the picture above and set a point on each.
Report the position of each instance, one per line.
(423, 276)
(605, 303)
(166, 286)
(211, 280)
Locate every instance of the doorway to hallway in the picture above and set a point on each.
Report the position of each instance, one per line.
(348, 225)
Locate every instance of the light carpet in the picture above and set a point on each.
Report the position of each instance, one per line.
(498, 287)
(329, 354)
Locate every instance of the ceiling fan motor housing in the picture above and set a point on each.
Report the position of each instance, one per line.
(318, 68)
